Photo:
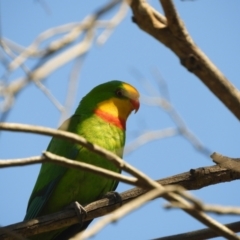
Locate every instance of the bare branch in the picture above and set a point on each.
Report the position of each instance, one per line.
(162, 100)
(143, 178)
(149, 136)
(17, 127)
(205, 233)
(189, 180)
(181, 126)
(65, 52)
(133, 205)
(110, 25)
(173, 34)
(226, 162)
(48, 93)
(119, 213)
(74, 29)
(10, 234)
(218, 209)
(72, 88)
(50, 157)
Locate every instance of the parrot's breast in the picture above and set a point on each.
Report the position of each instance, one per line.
(83, 186)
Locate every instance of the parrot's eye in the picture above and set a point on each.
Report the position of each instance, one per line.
(119, 93)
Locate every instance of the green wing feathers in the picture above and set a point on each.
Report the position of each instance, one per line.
(58, 186)
(50, 173)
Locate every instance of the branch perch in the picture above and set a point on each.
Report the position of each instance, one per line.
(192, 180)
(148, 182)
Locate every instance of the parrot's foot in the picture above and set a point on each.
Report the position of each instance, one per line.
(80, 211)
(114, 196)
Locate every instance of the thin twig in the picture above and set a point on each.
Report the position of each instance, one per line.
(182, 127)
(49, 95)
(217, 209)
(205, 233)
(163, 101)
(50, 157)
(112, 23)
(148, 137)
(72, 88)
(50, 62)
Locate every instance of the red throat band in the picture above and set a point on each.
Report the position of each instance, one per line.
(118, 122)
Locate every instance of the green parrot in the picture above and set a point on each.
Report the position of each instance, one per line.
(100, 118)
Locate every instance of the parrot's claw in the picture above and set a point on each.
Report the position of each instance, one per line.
(80, 211)
(114, 196)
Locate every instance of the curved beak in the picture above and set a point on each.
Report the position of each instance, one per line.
(135, 103)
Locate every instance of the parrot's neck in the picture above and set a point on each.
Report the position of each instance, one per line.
(108, 117)
(114, 111)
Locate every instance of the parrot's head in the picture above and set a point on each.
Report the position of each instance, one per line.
(113, 101)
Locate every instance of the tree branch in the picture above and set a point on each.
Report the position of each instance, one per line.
(17, 127)
(143, 178)
(57, 53)
(173, 34)
(226, 162)
(50, 157)
(192, 180)
(205, 233)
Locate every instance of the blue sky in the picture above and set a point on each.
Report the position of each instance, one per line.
(214, 26)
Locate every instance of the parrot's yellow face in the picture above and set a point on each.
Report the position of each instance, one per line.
(117, 108)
